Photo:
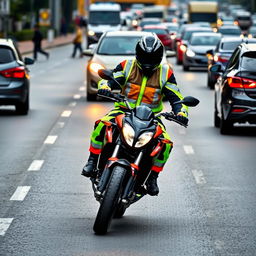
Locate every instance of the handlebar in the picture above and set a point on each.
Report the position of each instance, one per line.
(170, 116)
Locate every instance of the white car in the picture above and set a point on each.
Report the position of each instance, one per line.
(112, 49)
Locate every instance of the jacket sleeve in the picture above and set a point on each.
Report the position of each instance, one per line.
(173, 94)
(118, 74)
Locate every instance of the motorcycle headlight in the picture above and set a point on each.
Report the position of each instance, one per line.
(128, 134)
(144, 139)
(190, 53)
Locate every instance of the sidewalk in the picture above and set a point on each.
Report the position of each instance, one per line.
(26, 47)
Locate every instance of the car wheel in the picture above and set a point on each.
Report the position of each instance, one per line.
(216, 119)
(185, 68)
(209, 83)
(91, 97)
(23, 107)
(225, 126)
(178, 62)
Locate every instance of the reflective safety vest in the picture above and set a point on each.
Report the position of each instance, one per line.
(141, 90)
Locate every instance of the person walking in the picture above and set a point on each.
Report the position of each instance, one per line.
(37, 40)
(77, 42)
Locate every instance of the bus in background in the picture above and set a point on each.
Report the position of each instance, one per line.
(206, 11)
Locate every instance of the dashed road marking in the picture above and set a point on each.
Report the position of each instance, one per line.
(66, 113)
(20, 193)
(51, 139)
(188, 149)
(4, 225)
(72, 104)
(36, 165)
(199, 176)
(82, 89)
(61, 124)
(219, 244)
(77, 96)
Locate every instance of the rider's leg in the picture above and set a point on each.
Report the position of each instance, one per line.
(158, 165)
(97, 141)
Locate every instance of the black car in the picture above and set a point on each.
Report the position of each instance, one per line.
(235, 90)
(14, 78)
(222, 54)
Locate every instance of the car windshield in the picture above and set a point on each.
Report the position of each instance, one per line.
(149, 22)
(230, 46)
(172, 28)
(158, 31)
(6, 55)
(118, 45)
(104, 17)
(229, 31)
(187, 34)
(204, 40)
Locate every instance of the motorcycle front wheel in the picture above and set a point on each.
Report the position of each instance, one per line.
(110, 201)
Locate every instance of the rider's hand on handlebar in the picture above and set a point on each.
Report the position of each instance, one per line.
(105, 92)
(181, 117)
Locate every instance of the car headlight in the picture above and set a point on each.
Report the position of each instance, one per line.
(190, 53)
(144, 139)
(94, 67)
(91, 33)
(128, 134)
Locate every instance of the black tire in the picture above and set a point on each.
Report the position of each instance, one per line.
(185, 68)
(23, 107)
(120, 211)
(225, 126)
(110, 201)
(210, 84)
(216, 119)
(91, 97)
(178, 62)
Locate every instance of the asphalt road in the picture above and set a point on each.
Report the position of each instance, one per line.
(206, 204)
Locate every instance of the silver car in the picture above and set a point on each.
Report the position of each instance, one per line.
(112, 49)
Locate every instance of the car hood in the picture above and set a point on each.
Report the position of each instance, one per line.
(104, 28)
(110, 62)
(202, 49)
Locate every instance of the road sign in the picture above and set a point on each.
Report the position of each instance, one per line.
(44, 17)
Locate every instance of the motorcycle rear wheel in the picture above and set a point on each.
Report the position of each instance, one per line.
(110, 201)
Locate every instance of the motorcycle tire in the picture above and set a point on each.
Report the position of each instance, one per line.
(119, 211)
(110, 201)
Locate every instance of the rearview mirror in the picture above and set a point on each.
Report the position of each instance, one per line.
(217, 68)
(188, 101)
(28, 61)
(170, 53)
(105, 74)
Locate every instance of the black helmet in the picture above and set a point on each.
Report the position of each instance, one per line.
(149, 53)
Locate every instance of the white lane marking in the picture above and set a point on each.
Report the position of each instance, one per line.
(219, 244)
(82, 89)
(4, 225)
(72, 104)
(66, 113)
(77, 96)
(36, 165)
(20, 193)
(51, 139)
(61, 124)
(199, 176)
(188, 149)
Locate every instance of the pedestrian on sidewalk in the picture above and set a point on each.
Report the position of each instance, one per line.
(37, 40)
(77, 42)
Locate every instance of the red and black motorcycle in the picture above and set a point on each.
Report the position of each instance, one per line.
(131, 143)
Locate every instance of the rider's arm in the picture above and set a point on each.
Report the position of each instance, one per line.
(172, 93)
(118, 75)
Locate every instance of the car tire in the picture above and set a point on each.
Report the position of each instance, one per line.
(91, 97)
(22, 108)
(216, 119)
(185, 68)
(225, 126)
(210, 84)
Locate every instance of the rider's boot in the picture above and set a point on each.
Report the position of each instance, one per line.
(90, 165)
(151, 184)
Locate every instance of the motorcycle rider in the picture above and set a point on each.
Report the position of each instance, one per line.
(144, 82)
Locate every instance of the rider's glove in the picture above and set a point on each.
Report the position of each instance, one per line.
(182, 117)
(105, 92)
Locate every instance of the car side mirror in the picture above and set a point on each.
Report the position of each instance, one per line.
(217, 68)
(88, 52)
(28, 61)
(105, 74)
(170, 53)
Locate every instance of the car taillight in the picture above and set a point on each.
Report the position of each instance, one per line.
(238, 110)
(238, 82)
(18, 72)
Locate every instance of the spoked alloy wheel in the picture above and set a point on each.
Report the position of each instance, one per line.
(110, 201)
